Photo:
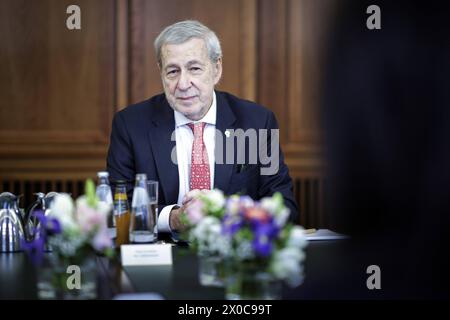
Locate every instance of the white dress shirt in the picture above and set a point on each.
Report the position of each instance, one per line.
(184, 140)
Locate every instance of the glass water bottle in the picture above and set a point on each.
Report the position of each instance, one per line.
(104, 194)
(143, 220)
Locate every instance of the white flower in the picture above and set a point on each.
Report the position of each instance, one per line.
(222, 245)
(216, 199)
(282, 216)
(274, 205)
(62, 209)
(66, 245)
(207, 235)
(286, 265)
(297, 238)
(232, 207)
(269, 205)
(244, 250)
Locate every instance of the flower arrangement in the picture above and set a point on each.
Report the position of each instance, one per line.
(73, 231)
(203, 219)
(260, 235)
(247, 235)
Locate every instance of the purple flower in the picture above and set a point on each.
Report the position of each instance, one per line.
(35, 249)
(246, 202)
(48, 225)
(101, 240)
(54, 226)
(232, 205)
(250, 225)
(262, 246)
(265, 229)
(264, 235)
(231, 224)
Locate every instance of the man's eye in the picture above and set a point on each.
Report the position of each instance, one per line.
(194, 69)
(172, 72)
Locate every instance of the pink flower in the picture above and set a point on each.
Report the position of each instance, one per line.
(101, 240)
(90, 219)
(194, 211)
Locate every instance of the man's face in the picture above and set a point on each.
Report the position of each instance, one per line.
(189, 77)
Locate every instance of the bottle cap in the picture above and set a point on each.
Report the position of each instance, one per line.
(103, 174)
(141, 176)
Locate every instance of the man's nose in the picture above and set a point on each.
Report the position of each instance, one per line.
(184, 81)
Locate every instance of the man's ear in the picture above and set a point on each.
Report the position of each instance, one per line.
(217, 71)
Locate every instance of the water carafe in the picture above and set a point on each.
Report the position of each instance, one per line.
(12, 231)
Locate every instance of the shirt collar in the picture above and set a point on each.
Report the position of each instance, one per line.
(210, 116)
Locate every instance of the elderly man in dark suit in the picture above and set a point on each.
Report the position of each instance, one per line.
(180, 138)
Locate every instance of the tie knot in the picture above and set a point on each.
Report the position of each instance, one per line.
(195, 127)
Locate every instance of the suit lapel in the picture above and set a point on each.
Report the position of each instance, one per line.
(225, 119)
(160, 133)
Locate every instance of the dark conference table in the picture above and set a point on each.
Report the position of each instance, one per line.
(330, 273)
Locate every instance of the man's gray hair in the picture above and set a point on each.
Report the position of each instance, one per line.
(183, 31)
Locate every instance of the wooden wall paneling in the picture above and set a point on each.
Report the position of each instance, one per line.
(22, 186)
(320, 203)
(291, 44)
(122, 54)
(17, 43)
(27, 188)
(233, 21)
(308, 25)
(58, 89)
(53, 184)
(59, 82)
(272, 63)
(303, 203)
(305, 23)
(248, 47)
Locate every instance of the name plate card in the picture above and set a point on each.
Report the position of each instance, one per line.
(146, 254)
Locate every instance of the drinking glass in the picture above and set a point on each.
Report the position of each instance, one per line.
(152, 190)
(143, 220)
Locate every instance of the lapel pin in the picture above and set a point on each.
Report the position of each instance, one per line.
(227, 133)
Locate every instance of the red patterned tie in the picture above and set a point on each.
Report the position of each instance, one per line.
(199, 178)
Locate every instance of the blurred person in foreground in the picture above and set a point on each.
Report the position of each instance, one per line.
(386, 113)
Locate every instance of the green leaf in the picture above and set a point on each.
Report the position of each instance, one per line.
(91, 196)
(109, 252)
(278, 198)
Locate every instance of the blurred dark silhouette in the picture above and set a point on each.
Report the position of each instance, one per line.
(386, 113)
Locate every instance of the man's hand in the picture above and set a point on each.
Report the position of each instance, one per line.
(174, 220)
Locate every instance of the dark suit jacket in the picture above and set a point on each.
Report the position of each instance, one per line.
(141, 143)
